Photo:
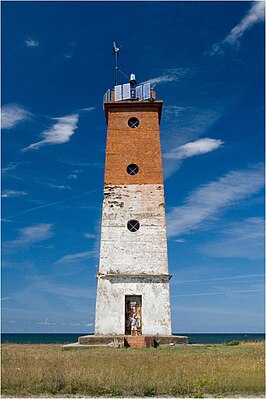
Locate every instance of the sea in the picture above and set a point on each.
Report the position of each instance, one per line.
(207, 338)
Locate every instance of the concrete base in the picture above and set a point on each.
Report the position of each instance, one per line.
(121, 341)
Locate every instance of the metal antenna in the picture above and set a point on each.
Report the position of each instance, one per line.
(116, 52)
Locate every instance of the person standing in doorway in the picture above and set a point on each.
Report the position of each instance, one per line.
(133, 322)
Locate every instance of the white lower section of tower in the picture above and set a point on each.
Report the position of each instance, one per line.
(111, 306)
(133, 265)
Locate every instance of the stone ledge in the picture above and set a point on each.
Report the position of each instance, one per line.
(131, 275)
(121, 341)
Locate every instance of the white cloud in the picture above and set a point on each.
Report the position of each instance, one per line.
(12, 193)
(208, 200)
(59, 133)
(31, 235)
(51, 204)
(171, 75)
(243, 239)
(197, 147)
(244, 277)
(63, 290)
(88, 109)
(189, 122)
(12, 115)
(73, 176)
(36, 233)
(89, 235)
(76, 257)
(70, 50)
(254, 15)
(58, 186)
(174, 110)
(31, 42)
(182, 125)
(9, 167)
(219, 293)
(174, 157)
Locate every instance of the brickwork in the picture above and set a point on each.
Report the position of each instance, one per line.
(140, 146)
(135, 342)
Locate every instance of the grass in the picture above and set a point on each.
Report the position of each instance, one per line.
(196, 371)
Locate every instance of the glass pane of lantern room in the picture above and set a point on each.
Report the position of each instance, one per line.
(133, 316)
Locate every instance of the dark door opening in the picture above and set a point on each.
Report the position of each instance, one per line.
(133, 315)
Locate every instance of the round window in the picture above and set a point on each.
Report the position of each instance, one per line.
(133, 225)
(132, 169)
(133, 122)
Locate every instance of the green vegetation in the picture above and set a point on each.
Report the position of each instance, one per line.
(232, 343)
(194, 371)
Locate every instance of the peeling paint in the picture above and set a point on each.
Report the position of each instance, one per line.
(124, 252)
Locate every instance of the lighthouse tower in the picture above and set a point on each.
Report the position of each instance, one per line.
(133, 278)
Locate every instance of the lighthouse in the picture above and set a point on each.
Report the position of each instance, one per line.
(133, 301)
(133, 278)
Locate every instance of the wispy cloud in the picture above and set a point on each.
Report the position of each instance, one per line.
(89, 235)
(180, 240)
(70, 50)
(174, 157)
(13, 114)
(219, 293)
(82, 164)
(183, 125)
(31, 42)
(51, 204)
(254, 15)
(12, 193)
(57, 186)
(59, 133)
(197, 147)
(88, 109)
(214, 310)
(243, 239)
(76, 257)
(170, 75)
(31, 234)
(173, 110)
(63, 289)
(247, 277)
(74, 175)
(208, 200)
(11, 166)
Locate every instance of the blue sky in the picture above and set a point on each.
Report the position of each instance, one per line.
(206, 61)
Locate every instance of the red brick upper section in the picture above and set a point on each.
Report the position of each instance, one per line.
(126, 145)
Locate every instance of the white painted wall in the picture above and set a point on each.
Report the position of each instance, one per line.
(110, 306)
(140, 252)
(143, 251)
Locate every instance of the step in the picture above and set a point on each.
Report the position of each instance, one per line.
(101, 340)
(138, 341)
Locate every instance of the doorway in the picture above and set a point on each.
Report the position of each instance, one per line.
(133, 315)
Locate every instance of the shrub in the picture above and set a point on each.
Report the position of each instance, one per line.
(232, 343)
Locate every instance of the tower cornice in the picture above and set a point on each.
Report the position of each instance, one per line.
(134, 106)
(134, 275)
